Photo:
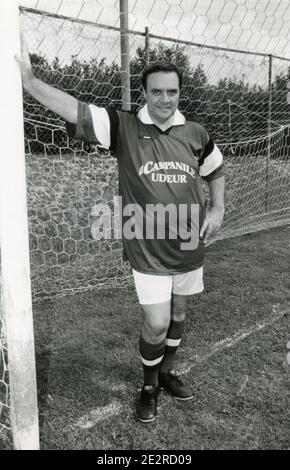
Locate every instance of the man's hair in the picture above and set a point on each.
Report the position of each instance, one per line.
(160, 67)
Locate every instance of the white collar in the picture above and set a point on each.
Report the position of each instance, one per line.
(144, 117)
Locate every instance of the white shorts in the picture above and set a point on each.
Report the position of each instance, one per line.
(152, 289)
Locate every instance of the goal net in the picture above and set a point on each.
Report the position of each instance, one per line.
(239, 96)
(66, 178)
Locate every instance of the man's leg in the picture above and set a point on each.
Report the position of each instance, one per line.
(152, 339)
(184, 285)
(154, 293)
(152, 348)
(167, 379)
(175, 331)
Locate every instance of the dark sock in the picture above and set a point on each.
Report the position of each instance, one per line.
(151, 355)
(172, 342)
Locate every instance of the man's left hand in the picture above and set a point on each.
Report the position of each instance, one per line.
(212, 223)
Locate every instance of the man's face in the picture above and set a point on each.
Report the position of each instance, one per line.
(162, 95)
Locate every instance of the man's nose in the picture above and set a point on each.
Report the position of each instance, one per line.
(165, 97)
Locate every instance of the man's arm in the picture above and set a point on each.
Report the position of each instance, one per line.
(56, 100)
(214, 216)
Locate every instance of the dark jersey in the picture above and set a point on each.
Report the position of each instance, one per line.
(159, 182)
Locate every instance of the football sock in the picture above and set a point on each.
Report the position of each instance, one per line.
(172, 342)
(151, 356)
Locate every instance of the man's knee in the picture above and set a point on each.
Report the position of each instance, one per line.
(156, 321)
(155, 329)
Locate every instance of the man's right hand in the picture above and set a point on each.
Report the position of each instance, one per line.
(56, 100)
(24, 62)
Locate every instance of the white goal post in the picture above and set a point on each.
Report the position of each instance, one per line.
(15, 268)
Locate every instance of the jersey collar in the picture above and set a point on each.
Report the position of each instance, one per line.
(145, 118)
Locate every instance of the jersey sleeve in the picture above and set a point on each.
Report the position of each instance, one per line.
(211, 161)
(95, 125)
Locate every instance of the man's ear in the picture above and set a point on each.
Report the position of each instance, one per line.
(144, 99)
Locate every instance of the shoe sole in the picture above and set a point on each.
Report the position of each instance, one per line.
(146, 420)
(182, 399)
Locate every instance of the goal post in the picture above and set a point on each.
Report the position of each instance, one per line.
(15, 268)
(125, 54)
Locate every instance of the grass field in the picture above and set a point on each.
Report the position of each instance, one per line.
(234, 354)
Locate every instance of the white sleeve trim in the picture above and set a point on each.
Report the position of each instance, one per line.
(101, 123)
(212, 162)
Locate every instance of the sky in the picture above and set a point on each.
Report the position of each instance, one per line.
(261, 26)
(256, 25)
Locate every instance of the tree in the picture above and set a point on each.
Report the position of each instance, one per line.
(231, 111)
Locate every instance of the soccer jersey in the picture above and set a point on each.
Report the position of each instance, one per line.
(163, 205)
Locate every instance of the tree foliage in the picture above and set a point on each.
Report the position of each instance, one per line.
(231, 110)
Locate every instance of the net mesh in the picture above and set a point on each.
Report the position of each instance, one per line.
(239, 97)
(4, 388)
(228, 92)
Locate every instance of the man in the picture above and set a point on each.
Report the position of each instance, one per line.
(161, 158)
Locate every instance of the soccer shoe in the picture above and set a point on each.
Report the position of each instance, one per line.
(147, 404)
(173, 385)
